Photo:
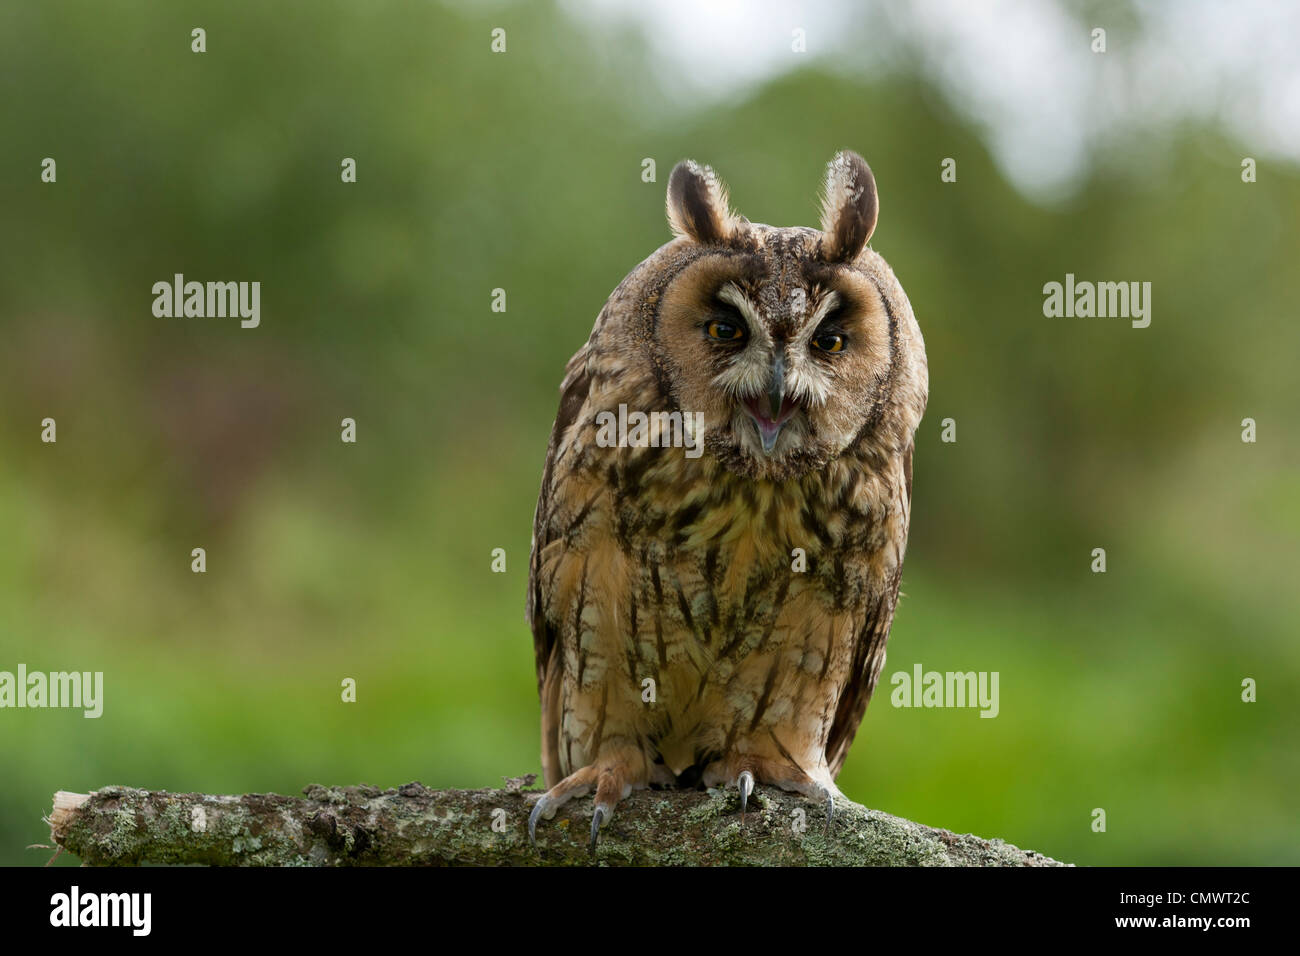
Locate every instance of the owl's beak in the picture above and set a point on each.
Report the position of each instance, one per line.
(773, 409)
(776, 388)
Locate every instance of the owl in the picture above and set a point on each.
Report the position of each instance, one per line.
(724, 506)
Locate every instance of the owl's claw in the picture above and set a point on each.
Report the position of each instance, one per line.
(598, 817)
(542, 808)
(829, 794)
(745, 783)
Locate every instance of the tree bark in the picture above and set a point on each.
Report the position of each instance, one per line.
(415, 826)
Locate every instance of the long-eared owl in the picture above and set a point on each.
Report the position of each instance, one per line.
(724, 507)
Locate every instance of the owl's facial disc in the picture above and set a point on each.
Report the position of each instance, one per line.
(782, 354)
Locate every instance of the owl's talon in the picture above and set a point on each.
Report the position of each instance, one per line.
(598, 817)
(540, 809)
(829, 794)
(745, 783)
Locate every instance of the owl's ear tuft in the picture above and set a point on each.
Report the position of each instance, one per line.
(698, 205)
(849, 207)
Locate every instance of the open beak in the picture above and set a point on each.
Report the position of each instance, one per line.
(773, 409)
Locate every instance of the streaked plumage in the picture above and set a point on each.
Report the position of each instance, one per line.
(648, 563)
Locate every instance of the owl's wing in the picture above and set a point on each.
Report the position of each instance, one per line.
(546, 648)
(868, 654)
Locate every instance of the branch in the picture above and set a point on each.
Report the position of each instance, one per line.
(413, 826)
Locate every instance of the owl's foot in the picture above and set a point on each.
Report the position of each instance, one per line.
(613, 779)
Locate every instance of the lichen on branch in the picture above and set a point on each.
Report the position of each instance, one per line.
(415, 826)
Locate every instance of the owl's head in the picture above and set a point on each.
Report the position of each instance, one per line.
(794, 343)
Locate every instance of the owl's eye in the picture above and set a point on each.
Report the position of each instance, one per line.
(829, 342)
(725, 331)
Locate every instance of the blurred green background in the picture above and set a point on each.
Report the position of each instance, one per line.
(523, 171)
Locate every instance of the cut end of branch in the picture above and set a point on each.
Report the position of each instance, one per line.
(66, 804)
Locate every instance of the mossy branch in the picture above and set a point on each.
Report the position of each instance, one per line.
(414, 826)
